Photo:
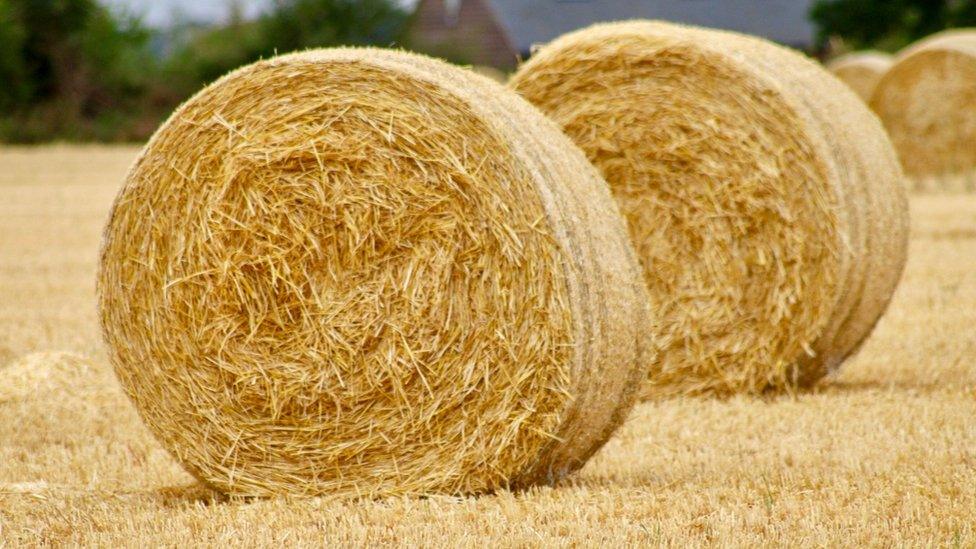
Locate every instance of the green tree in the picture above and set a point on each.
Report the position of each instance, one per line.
(888, 24)
(295, 24)
(289, 25)
(209, 53)
(71, 69)
(15, 88)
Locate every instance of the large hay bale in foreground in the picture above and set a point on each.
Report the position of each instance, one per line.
(369, 273)
(861, 70)
(764, 199)
(927, 102)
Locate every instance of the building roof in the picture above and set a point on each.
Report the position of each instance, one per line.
(536, 21)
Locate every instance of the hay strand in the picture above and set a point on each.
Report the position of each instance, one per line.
(764, 200)
(367, 273)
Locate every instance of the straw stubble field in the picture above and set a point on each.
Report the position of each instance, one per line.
(885, 453)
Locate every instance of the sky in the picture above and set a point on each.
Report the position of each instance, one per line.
(160, 13)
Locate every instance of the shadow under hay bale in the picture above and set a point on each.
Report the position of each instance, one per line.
(369, 273)
(927, 102)
(861, 70)
(764, 199)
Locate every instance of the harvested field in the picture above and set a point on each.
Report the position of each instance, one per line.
(883, 455)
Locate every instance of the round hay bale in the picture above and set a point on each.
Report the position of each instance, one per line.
(927, 102)
(861, 70)
(43, 371)
(491, 72)
(369, 273)
(764, 199)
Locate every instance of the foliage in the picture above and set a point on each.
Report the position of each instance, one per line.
(12, 70)
(889, 24)
(298, 24)
(74, 70)
(290, 25)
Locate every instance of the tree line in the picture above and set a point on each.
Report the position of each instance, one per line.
(888, 25)
(76, 70)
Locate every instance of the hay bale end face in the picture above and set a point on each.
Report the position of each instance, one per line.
(368, 273)
(861, 70)
(927, 102)
(765, 202)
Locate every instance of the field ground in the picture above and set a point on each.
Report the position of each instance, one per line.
(885, 454)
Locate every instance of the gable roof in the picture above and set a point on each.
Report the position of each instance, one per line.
(533, 21)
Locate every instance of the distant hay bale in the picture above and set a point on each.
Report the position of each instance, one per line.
(491, 72)
(765, 202)
(927, 102)
(861, 70)
(369, 273)
(32, 374)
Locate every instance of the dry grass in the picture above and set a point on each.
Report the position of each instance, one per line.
(883, 455)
